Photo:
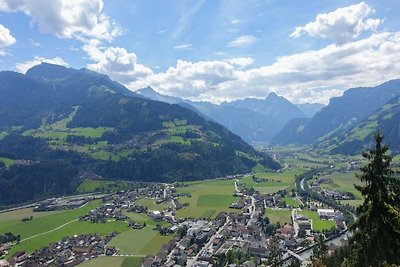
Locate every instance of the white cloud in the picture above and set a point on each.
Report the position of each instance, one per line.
(65, 18)
(6, 39)
(311, 76)
(116, 62)
(189, 79)
(23, 67)
(342, 25)
(241, 61)
(243, 40)
(235, 21)
(184, 47)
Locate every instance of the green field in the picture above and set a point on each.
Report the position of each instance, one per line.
(344, 182)
(113, 262)
(151, 204)
(291, 202)
(208, 198)
(140, 217)
(74, 228)
(215, 200)
(47, 227)
(18, 215)
(300, 163)
(89, 185)
(7, 161)
(318, 225)
(144, 218)
(279, 215)
(43, 224)
(139, 242)
(274, 181)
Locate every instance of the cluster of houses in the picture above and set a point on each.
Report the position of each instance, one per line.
(61, 204)
(70, 251)
(333, 194)
(197, 242)
(103, 213)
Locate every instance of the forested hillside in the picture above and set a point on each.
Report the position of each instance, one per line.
(58, 125)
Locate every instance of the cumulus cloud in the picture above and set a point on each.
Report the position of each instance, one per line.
(342, 25)
(116, 62)
(24, 66)
(240, 61)
(241, 41)
(311, 76)
(6, 39)
(65, 18)
(189, 79)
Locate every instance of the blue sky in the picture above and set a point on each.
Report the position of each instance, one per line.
(307, 51)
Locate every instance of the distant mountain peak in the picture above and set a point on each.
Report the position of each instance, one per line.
(48, 71)
(146, 90)
(273, 95)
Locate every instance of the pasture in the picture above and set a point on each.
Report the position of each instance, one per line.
(7, 161)
(279, 215)
(113, 262)
(18, 215)
(273, 181)
(139, 242)
(291, 202)
(45, 223)
(297, 162)
(88, 186)
(318, 225)
(152, 205)
(344, 182)
(70, 229)
(208, 198)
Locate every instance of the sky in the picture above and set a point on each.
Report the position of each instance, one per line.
(211, 50)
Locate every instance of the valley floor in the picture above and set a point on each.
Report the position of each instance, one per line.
(152, 219)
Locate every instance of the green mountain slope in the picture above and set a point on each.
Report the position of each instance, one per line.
(87, 125)
(360, 137)
(344, 112)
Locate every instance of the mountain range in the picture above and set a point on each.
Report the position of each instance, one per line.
(254, 120)
(60, 125)
(347, 123)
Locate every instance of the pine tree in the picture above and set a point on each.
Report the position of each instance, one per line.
(377, 230)
(320, 251)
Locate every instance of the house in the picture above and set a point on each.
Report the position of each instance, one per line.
(326, 214)
(286, 232)
(261, 252)
(304, 225)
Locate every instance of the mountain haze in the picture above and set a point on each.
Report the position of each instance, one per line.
(254, 120)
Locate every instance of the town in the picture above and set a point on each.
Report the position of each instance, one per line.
(195, 241)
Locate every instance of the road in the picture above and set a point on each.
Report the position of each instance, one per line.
(302, 184)
(236, 186)
(253, 209)
(295, 225)
(206, 247)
